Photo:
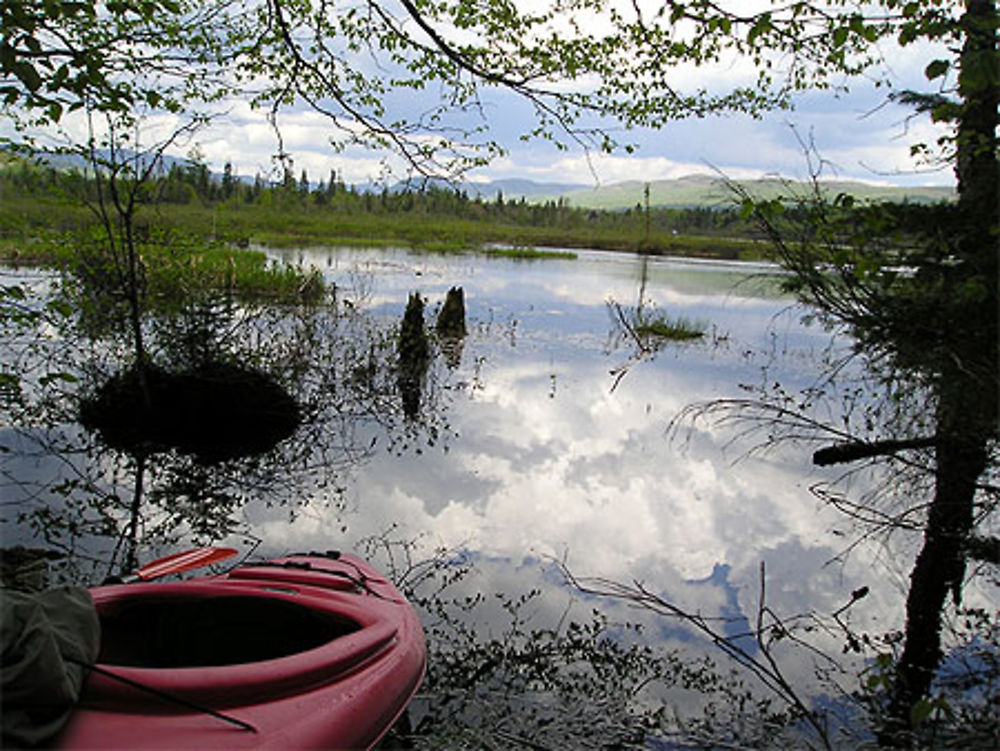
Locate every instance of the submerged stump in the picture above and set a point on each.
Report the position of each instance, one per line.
(413, 356)
(451, 318)
(451, 328)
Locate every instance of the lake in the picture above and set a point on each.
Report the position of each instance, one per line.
(546, 442)
(559, 448)
(550, 453)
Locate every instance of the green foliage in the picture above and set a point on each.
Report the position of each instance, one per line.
(177, 56)
(177, 267)
(499, 675)
(530, 254)
(23, 311)
(435, 219)
(960, 710)
(879, 674)
(59, 56)
(886, 270)
(905, 297)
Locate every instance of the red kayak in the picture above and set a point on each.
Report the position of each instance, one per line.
(315, 651)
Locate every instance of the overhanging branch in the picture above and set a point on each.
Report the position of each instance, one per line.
(852, 451)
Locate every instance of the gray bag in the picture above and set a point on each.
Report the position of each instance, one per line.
(47, 638)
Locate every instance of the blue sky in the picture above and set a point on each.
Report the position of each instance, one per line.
(859, 136)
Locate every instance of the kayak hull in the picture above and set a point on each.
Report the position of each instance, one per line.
(310, 651)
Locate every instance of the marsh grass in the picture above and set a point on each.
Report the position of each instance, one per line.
(674, 329)
(248, 274)
(524, 253)
(441, 233)
(293, 224)
(175, 267)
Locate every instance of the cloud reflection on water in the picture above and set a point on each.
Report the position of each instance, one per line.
(550, 462)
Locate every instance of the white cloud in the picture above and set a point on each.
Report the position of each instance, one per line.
(549, 460)
(874, 147)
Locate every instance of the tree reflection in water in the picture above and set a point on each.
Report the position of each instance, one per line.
(499, 675)
(102, 495)
(505, 672)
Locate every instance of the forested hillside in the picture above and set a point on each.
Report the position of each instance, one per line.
(39, 198)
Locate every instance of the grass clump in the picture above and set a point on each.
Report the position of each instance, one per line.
(524, 253)
(443, 246)
(674, 329)
(174, 266)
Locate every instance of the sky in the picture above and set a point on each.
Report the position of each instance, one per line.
(858, 135)
(542, 460)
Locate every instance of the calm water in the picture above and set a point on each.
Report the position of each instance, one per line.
(547, 456)
(546, 440)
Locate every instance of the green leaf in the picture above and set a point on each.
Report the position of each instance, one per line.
(762, 26)
(61, 307)
(920, 711)
(29, 76)
(48, 378)
(14, 291)
(844, 200)
(936, 69)
(9, 383)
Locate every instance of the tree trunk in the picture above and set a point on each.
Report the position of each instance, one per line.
(966, 380)
(940, 566)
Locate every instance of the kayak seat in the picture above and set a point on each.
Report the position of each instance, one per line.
(212, 631)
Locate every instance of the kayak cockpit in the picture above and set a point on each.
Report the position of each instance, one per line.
(200, 631)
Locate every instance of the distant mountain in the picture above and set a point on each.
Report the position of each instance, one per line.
(516, 188)
(513, 188)
(685, 192)
(77, 161)
(708, 191)
(691, 191)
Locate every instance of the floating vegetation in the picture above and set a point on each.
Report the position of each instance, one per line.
(649, 331)
(523, 253)
(174, 265)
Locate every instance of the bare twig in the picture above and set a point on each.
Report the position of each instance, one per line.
(765, 667)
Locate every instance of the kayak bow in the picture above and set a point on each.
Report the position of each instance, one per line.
(311, 651)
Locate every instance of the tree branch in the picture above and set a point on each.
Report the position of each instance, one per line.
(851, 451)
